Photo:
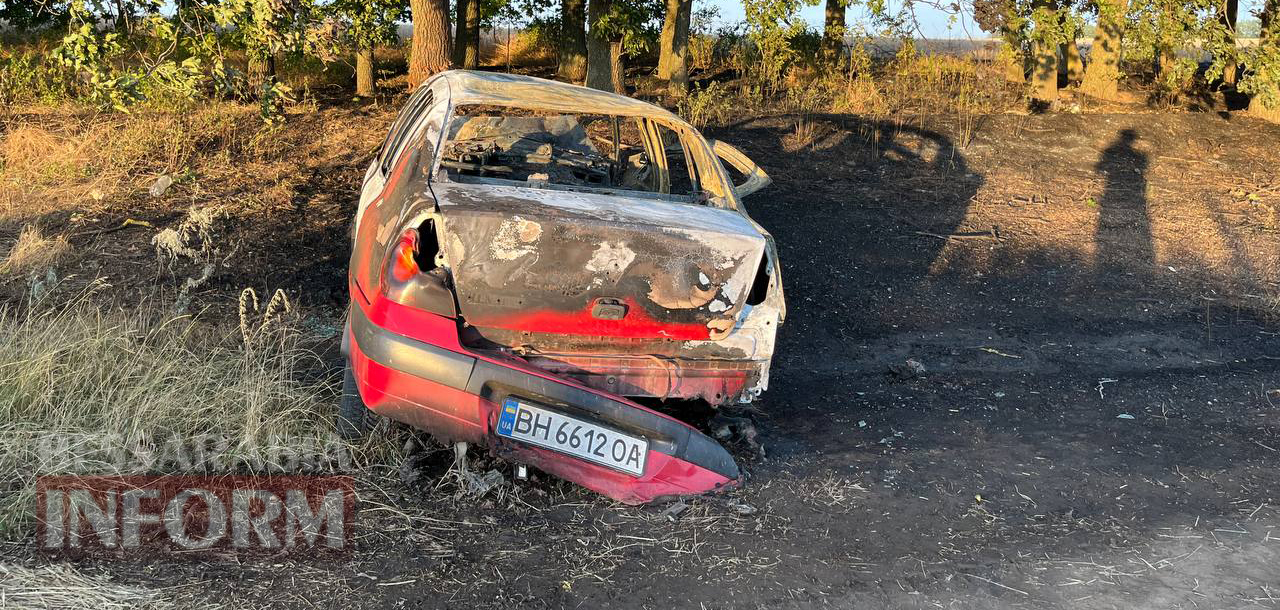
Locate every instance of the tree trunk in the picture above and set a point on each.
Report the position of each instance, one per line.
(466, 38)
(1074, 63)
(1011, 53)
(673, 59)
(833, 29)
(1163, 55)
(364, 72)
(122, 16)
(430, 51)
(471, 56)
(460, 32)
(1044, 72)
(599, 60)
(1102, 76)
(667, 38)
(573, 40)
(262, 70)
(616, 67)
(1258, 106)
(1230, 71)
(679, 80)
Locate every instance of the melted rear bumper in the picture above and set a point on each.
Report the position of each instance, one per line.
(410, 366)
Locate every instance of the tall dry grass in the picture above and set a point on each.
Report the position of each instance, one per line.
(52, 159)
(88, 389)
(517, 48)
(59, 587)
(908, 84)
(33, 252)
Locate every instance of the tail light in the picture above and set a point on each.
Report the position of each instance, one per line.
(406, 282)
(404, 262)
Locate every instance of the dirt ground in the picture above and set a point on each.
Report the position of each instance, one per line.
(1095, 300)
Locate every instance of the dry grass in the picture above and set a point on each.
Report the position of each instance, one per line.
(909, 84)
(84, 389)
(803, 136)
(59, 587)
(51, 160)
(519, 48)
(34, 252)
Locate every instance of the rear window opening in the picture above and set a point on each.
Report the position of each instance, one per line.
(554, 150)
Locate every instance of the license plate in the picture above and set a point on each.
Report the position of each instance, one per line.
(572, 436)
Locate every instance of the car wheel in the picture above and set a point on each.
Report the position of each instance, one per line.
(354, 419)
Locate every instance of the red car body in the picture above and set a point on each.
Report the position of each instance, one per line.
(478, 281)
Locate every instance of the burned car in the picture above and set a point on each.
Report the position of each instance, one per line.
(539, 267)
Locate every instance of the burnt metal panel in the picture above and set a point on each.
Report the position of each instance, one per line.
(531, 260)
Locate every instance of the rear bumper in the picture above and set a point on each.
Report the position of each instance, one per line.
(410, 366)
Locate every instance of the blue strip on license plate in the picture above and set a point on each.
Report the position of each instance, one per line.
(572, 436)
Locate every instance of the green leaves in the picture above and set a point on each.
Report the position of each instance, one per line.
(771, 27)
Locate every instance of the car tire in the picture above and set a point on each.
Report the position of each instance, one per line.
(354, 418)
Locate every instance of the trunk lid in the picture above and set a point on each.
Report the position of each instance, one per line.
(559, 269)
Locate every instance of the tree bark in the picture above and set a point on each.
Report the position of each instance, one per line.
(1044, 74)
(460, 32)
(262, 70)
(364, 72)
(471, 54)
(1073, 62)
(122, 17)
(1016, 65)
(1044, 71)
(1270, 42)
(833, 29)
(616, 67)
(673, 58)
(679, 64)
(573, 40)
(1102, 76)
(599, 57)
(1163, 56)
(1230, 71)
(430, 51)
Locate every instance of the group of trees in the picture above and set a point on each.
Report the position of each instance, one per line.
(593, 38)
(1166, 38)
(191, 36)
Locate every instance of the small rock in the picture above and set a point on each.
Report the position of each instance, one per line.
(161, 185)
(479, 486)
(1124, 416)
(909, 369)
(674, 511)
(742, 509)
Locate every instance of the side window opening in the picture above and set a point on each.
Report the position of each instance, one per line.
(684, 178)
(404, 129)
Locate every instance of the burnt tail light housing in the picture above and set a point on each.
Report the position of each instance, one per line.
(411, 276)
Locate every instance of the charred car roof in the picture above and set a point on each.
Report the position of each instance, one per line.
(472, 87)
